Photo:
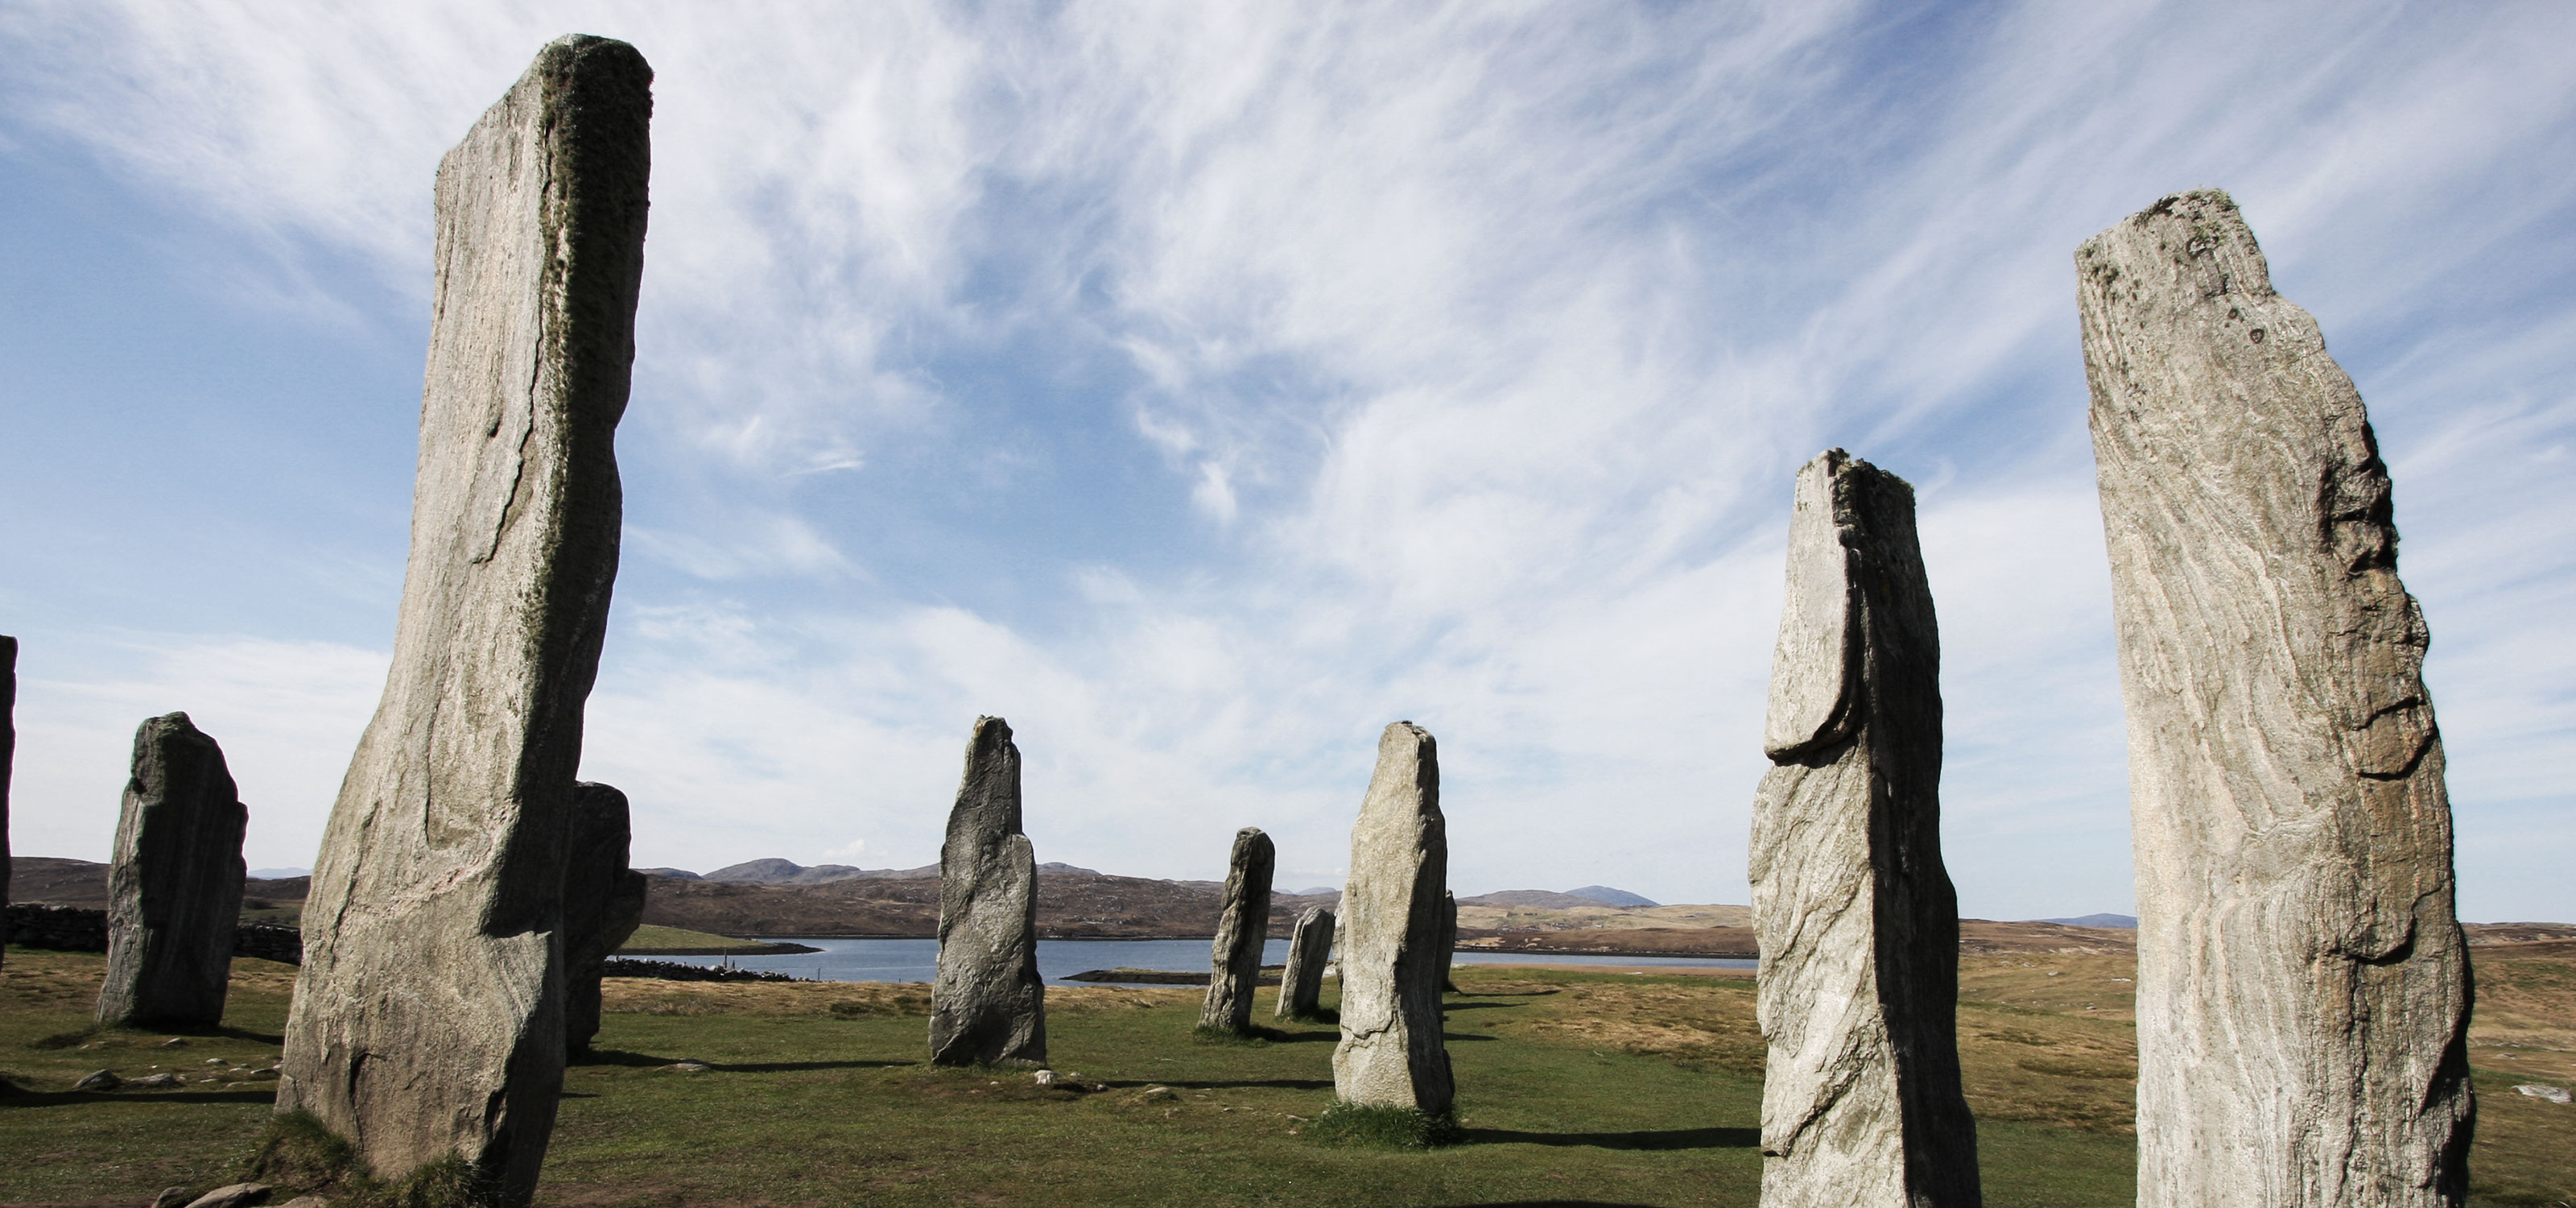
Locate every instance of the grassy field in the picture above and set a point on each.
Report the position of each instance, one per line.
(1575, 1087)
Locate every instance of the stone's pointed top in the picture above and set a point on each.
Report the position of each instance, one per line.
(1810, 704)
(2198, 236)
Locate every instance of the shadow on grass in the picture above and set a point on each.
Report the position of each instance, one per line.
(1670, 1138)
(28, 1098)
(648, 1060)
(1290, 1084)
(1479, 1006)
(1547, 1204)
(1456, 1036)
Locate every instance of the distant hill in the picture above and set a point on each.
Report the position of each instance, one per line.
(278, 874)
(2115, 922)
(1612, 897)
(774, 871)
(1073, 903)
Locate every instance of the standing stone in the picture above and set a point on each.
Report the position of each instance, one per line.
(428, 1020)
(989, 1005)
(2303, 985)
(603, 903)
(1310, 948)
(1859, 926)
(174, 889)
(1448, 940)
(8, 754)
(1391, 1053)
(1241, 932)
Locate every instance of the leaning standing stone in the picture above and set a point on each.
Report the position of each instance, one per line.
(603, 902)
(428, 1020)
(1310, 948)
(1859, 927)
(989, 1005)
(174, 889)
(2303, 986)
(1391, 1053)
(1241, 931)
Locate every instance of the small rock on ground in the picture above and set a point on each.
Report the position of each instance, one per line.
(99, 1080)
(171, 1197)
(233, 1195)
(2555, 1094)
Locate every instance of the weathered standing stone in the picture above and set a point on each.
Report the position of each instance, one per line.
(1310, 948)
(1241, 930)
(989, 1005)
(1391, 1053)
(603, 902)
(2303, 987)
(428, 1021)
(8, 755)
(1858, 923)
(174, 889)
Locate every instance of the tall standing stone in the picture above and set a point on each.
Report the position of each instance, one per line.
(8, 755)
(1391, 1054)
(1310, 948)
(1242, 929)
(988, 1006)
(1859, 926)
(428, 1019)
(2303, 986)
(174, 888)
(603, 903)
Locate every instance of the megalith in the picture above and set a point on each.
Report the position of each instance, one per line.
(988, 1006)
(8, 756)
(1242, 930)
(1391, 1053)
(174, 886)
(603, 902)
(429, 1017)
(1310, 948)
(2303, 985)
(1859, 925)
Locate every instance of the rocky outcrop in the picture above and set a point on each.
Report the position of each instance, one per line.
(988, 1006)
(1310, 948)
(428, 1021)
(1241, 928)
(603, 902)
(175, 885)
(1391, 1053)
(2303, 986)
(1858, 924)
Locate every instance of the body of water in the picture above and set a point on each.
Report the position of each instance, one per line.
(918, 960)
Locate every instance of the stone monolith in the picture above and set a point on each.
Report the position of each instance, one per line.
(1391, 1053)
(428, 1020)
(2303, 986)
(8, 755)
(1242, 929)
(1310, 948)
(988, 1006)
(603, 903)
(1859, 926)
(174, 887)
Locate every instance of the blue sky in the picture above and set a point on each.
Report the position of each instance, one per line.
(1202, 387)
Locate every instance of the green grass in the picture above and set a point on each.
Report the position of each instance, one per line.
(1583, 1087)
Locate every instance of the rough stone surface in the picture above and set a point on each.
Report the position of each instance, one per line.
(1859, 926)
(174, 888)
(1391, 1054)
(428, 1020)
(603, 902)
(1310, 948)
(233, 1195)
(8, 756)
(1241, 928)
(988, 1006)
(2303, 984)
